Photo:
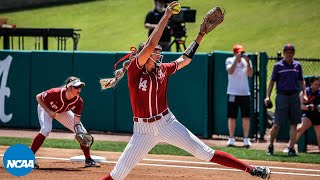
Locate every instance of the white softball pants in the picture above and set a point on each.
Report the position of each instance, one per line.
(147, 135)
(65, 118)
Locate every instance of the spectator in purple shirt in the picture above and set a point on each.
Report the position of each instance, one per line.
(288, 75)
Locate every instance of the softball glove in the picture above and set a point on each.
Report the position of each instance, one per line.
(85, 139)
(212, 19)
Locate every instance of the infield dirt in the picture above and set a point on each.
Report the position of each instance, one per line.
(148, 170)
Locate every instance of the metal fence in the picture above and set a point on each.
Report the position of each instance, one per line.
(310, 66)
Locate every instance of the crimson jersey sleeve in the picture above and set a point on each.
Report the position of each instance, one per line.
(48, 95)
(134, 70)
(78, 107)
(171, 67)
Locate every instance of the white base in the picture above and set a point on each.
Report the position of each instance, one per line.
(82, 158)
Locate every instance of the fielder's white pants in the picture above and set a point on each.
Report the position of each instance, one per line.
(147, 135)
(65, 118)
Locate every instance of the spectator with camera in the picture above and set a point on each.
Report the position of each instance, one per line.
(239, 68)
(152, 19)
(310, 111)
(287, 73)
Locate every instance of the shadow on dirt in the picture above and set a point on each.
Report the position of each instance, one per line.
(60, 169)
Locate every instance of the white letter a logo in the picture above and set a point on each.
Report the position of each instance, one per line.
(4, 91)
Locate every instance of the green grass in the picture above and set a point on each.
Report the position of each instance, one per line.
(115, 25)
(166, 149)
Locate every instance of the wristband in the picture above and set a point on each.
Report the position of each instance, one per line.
(191, 50)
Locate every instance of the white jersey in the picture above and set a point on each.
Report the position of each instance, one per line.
(238, 83)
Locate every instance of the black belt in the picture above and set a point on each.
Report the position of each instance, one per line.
(287, 93)
(152, 119)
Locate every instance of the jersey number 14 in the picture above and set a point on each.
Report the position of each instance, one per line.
(143, 84)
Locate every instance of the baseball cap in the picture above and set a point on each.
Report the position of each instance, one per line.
(76, 83)
(238, 48)
(288, 47)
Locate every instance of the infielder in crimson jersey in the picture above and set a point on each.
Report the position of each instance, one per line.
(153, 120)
(65, 105)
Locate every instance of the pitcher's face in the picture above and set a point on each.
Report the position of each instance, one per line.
(156, 57)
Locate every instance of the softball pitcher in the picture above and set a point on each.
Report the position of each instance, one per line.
(153, 120)
(65, 105)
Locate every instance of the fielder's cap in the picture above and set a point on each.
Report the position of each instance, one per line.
(238, 48)
(141, 46)
(76, 83)
(288, 47)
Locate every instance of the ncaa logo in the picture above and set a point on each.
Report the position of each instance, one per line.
(19, 160)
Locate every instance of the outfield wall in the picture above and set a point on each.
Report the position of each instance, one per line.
(196, 94)
(28, 73)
